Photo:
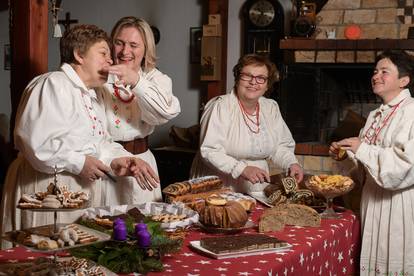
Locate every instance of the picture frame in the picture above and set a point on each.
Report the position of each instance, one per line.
(7, 57)
(196, 33)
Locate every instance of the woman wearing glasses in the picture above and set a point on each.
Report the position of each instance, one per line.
(240, 130)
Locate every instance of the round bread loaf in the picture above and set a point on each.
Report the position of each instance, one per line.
(230, 215)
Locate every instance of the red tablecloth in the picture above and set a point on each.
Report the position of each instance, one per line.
(331, 249)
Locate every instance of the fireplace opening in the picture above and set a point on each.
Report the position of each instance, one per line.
(316, 100)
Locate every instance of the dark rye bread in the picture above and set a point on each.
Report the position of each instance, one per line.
(240, 243)
(297, 214)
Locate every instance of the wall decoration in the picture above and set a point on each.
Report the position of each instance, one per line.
(7, 57)
(196, 34)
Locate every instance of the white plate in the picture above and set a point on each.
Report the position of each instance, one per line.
(196, 245)
(261, 197)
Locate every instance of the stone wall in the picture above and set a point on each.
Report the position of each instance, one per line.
(376, 18)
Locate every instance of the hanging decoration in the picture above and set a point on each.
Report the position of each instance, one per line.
(55, 8)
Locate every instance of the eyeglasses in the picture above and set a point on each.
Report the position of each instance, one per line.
(249, 77)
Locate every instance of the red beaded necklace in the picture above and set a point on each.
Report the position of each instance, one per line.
(372, 138)
(246, 117)
(116, 92)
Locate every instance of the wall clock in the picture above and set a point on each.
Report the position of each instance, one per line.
(262, 27)
(262, 13)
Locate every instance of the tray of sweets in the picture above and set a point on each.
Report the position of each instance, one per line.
(62, 266)
(43, 238)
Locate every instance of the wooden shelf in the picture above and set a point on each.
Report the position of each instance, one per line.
(345, 44)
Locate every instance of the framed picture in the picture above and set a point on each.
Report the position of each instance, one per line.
(195, 44)
(7, 57)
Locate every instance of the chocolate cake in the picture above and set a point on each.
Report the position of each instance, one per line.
(240, 243)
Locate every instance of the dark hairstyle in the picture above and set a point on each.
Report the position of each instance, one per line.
(258, 60)
(402, 60)
(81, 38)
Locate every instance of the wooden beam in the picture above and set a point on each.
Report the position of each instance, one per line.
(29, 46)
(215, 88)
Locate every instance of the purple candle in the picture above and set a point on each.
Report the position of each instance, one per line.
(144, 238)
(139, 227)
(120, 231)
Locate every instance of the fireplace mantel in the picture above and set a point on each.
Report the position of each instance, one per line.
(346, 44)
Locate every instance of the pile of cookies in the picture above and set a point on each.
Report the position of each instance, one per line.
(166, 218)
(68, 235)
(54, 198)
(330, 184)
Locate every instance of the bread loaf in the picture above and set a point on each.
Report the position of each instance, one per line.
(193, 186)
(272, 221)
(297, 214)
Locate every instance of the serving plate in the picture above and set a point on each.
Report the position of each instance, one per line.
(47, 231)
(196, 245)
(261, 197)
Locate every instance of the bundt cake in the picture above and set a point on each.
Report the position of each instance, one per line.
(223, 214)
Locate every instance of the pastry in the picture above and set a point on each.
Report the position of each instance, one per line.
(230, 215)
(205, 184)
(176, 189)
(289, 184)
(191, 197)
(51, 202)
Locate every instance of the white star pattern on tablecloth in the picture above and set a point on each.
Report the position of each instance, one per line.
(285, 272)
(245, 273)
(9, 250)
(346, 233)
(292, 269)
(187, 254)
(190, 274)
(12, 261)
(334, 242)
(320, 270)
(310, 238)
(301, 260)
(308, 243)
(307, 268)
(257, 269)
(344, 270)
(318, 253)
(281, 253)
(279, 259)
(185, 266)
(332, 231)
(325, 244)
(326, 264)
(334, 226)
(312, 256)
(245, 262)
(167, 265)
(290, 235)
(319, 236)
(221, 269)
(178, 261)
(263, 261)
(226, 262)
(196, 270)
(204, 262)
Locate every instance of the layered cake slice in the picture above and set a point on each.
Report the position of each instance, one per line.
(240, 243)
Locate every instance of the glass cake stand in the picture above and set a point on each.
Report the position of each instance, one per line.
(329, 192)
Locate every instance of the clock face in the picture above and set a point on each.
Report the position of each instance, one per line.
(262, 13)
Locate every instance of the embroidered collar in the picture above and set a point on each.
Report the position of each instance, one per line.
(74, 77)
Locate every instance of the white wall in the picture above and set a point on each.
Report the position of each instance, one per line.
(173, 18)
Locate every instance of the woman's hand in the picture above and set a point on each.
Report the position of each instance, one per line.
(126, 75)
(255, 175)
(138, 168)
(296, 171)
(334, 150)
(351, 144)
(93, 169)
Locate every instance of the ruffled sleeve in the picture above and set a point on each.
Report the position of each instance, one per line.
(155, 98)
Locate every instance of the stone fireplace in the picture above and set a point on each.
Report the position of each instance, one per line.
(324, 80)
